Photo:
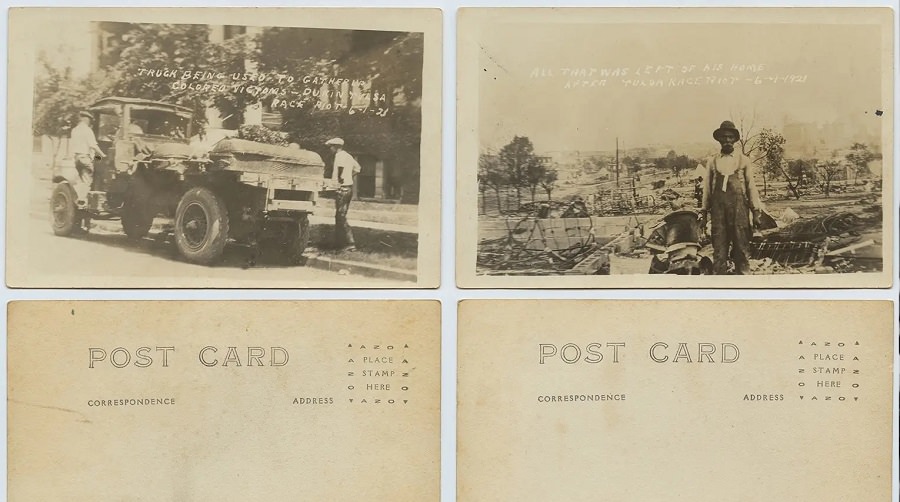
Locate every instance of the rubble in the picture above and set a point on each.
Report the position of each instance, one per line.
(532, 247)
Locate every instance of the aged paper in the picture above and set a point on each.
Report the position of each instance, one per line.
(277, 400)
(614, 147)
(216, 133)
(675, 400)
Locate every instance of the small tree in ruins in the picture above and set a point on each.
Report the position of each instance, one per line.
(828, 170)
(517, 157)
(860, 156)
(535, 172)
(548, 182)
(490, 176)
(771, 149)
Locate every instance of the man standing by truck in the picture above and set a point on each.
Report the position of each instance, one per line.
(344, 172)
(730, 196)
(83, 146)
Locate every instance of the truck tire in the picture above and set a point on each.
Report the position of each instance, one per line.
(137, 210)
(63, 214)
(299, 239)
(201, 226)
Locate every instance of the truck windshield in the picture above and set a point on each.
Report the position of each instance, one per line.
(108, 125)
(158, 123)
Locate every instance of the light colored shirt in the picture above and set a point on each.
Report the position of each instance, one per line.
(345, 166)
(82, 141)
(728, 165)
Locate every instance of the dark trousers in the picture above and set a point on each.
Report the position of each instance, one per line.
(343, 234)
(730, 218)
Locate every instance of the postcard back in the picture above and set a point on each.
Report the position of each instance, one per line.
(675, 400)
(194, 400)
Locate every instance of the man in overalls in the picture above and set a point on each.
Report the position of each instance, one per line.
(729, 197)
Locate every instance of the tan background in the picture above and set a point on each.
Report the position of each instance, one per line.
(478, 29)
(684, 431)
(25, 24)
(233, 433)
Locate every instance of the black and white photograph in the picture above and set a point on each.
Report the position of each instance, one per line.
(226, 153)
(675, 142)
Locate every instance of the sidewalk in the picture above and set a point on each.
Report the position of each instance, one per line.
(315, 259)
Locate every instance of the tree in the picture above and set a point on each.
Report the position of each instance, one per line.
(517, 157)
(548, 182)
(670, 162)
(860, 156)
(749, 139)
(386, 68)
(535, 172)
(770, 145)
(490, 176)
(58, 97)
(828, 170)
(682, 163)
(752, 142)
(156, 46)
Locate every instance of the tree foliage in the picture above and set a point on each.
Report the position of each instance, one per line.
(517, 157)
(827, 171)
(548, 182)
(860, 156)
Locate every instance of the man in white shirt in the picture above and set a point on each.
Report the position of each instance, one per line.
(344, 173)
(83, 146)
(729, 197)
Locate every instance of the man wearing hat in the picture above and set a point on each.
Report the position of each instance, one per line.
(344, 173)
(729, 197)
(83, 146)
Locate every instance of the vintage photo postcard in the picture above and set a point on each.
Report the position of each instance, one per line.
(641, 147)
(276, 400)
(224, 148)
(585, 400)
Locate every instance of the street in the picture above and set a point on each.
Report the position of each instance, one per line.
(107, 253)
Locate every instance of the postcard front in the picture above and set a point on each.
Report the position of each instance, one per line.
(232, 148)
(675, 400)
(633, 147)
(274, 400)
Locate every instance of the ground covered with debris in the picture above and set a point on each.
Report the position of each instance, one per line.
(816, 234)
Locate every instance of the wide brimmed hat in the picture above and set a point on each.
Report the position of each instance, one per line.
(726, 126)
(86, 114)
(335, 141)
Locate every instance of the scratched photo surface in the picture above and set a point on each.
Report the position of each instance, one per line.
(625, 147)
(274, 400)
(283, 148)
(674, 400)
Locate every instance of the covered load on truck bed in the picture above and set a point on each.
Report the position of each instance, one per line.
(249, 156)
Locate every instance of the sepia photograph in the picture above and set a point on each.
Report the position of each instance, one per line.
(263, 148)
(643, 144)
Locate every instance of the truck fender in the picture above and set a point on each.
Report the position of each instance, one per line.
(68, 174)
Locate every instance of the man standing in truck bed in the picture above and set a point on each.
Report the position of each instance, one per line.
(344, 172)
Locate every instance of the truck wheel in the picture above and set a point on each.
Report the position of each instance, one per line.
(63, 215)
(137, 210)
(201, 226)
(299, 239)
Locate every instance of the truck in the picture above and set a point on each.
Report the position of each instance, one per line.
(237, 191)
